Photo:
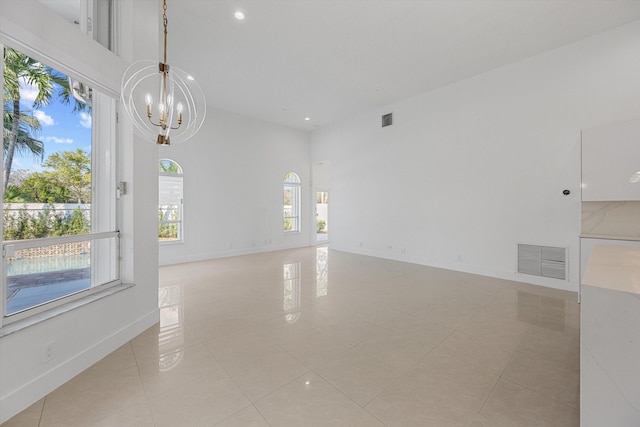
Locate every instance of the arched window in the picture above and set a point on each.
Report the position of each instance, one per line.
(291, 203)
(170, 202)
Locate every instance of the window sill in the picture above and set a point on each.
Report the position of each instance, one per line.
(27, 322)
(170, 242)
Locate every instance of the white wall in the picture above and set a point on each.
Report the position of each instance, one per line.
(233, 175)
(468, 171)
(84, 335)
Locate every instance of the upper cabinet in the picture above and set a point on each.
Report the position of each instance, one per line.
(611, 162)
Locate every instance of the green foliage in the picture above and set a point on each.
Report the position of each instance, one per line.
(168, 230)
(320, 225)
(44, 187)
(72, 171)
(288, 224)
(77, 222)
(68, 180)
(291, 177)
(46, 223)
(288, 196)
(16, 226)
(39, 225)
(168, 166)
(13, 194)
(28, 127)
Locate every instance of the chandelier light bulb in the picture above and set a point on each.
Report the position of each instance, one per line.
(180, 108)
(149, 100)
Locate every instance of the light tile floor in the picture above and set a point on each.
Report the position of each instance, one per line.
(313, 337)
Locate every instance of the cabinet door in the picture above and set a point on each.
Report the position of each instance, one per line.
(611, 162)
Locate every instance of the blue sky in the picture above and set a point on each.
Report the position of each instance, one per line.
(62, 129)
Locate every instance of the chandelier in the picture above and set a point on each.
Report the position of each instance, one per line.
(179, 109)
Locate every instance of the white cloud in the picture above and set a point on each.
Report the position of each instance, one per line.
(57, 140)
(85, 120)
(43, 118)
(16, 164)
(28, 92)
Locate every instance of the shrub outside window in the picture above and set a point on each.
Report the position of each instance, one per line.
(170, 202)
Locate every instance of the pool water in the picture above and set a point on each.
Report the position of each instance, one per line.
(18, 267)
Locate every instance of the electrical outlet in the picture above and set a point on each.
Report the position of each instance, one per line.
(47, 352)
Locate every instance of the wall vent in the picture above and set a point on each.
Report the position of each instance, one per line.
(387, 120)
(545, 261)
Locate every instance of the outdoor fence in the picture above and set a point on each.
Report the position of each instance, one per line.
(37, 220)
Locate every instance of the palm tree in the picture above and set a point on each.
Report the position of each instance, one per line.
(20, 67)
(25, 142)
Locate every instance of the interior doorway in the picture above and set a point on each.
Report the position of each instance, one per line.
(322, 216)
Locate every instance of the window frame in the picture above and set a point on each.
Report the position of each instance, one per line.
(294, 185)
(103, 199)
(94, 18)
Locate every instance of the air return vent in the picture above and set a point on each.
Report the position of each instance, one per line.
(387, 120)
(545, 261)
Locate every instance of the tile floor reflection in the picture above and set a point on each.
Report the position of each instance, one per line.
(314, 337)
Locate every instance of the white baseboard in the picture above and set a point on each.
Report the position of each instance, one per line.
(227, 253)
(21, 398)
(564, 285)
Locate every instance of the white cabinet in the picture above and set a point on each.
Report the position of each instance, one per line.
(611, 162)
(610, 339)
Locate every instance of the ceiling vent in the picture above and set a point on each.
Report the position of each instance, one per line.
(387, 120)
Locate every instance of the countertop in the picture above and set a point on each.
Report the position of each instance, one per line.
(614, 267)
(609, 237)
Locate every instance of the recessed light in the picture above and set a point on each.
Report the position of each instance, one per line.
(239, 15)
(307, 118)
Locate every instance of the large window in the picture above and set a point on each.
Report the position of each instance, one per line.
(291, 203)
(170, 202)
(60, 239)
(92, 17)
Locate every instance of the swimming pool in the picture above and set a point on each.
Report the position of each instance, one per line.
(22, 266)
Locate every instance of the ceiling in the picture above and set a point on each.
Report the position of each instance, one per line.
(332, 59)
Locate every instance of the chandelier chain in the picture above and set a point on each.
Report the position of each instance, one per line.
(165, 22)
